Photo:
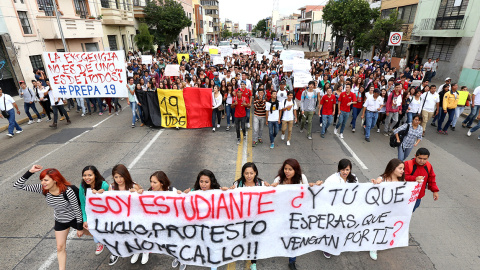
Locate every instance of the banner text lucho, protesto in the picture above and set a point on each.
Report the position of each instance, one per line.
(86, 74)
(213, 228)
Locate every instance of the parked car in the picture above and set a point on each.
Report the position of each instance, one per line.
(275, 44)
(278, 48)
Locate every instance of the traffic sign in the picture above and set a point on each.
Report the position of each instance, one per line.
(395, 38)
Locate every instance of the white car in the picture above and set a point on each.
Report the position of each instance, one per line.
(277, 48)
(223, 43)
(275, 44)
(242, 44)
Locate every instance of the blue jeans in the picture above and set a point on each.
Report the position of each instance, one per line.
(451, 114)
(475, 128)
(417, 204)
(228, 109)
(94, 102)
(292, 259)
(327, 121)
(27, 107)
(342, 120)
(12, 124)
(403, 152)
(100, 104)
(248, 115)
(355, 113)
(458, 111)
(473, 114)
(370, 122)
(133, 106)
(81, 103)
(273, 127)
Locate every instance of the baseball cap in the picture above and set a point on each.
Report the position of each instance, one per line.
(215, 74)
(20, 82)
(448, 79)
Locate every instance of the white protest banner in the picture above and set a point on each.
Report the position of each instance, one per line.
(172, 70)
(147, 59)
(213, 228)
(416, 83)
(291, 54)
(86, 74)
(287, 65)
(301, 79)
(301, 65)
(217, 59)
(226, 51)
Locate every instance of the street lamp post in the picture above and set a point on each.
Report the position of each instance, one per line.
(57, 15)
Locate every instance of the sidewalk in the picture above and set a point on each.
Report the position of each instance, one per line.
(22, 118)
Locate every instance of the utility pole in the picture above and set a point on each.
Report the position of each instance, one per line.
(310, 43)
(57, 14)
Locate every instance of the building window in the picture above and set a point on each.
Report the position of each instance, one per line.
(186, 38)
(442, 48)
(112, 42)
(407, 13)
(451, 14)
(22, 15)
(81, 8)
(37, 62)
(386, 12)
(47, 6)
(201, 23)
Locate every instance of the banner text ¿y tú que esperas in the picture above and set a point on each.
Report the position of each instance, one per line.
(213, 228)
(86, 74)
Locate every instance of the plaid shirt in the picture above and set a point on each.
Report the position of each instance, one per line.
(412, 136)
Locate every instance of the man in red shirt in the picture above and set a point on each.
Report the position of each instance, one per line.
(246, 93)
(328, 103)
(241, 104)
(345, 100)
(419, 168)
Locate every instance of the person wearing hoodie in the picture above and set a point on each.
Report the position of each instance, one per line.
(450, 101)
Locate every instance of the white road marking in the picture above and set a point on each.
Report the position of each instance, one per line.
(144, 150)
(245, 148)
(359, 161)
(46, 265)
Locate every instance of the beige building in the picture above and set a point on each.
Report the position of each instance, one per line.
(118, 24)
(286, 27)
(212, 10)
(30, 27)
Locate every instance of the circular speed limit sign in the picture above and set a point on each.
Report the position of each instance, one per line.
(395, 38)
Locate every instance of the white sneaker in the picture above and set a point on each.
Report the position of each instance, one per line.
(218, 126)
(83, 114)
(469, 133)
(9, 135)
(30, 122)
(39, 120)
(183, 266)
(335, 131)
(213, 129)
(175, 263)
(378, 130)
(373, 255)
(113, 260)
(283, 137)
(321, 125)
(134, 258)
(19, 131)
(341, 135)
(288, 142)
(248, 125)
(145, 257)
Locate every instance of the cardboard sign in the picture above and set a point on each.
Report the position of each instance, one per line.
(147, 59)
(213, 51)
(301, 80)
(291, 54)
(226, 51)
(212, 228)
(86, 74)
(217, 59)
(172, 70)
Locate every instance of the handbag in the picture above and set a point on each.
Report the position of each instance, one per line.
(5, 113)
(401, 135)
(221, 107)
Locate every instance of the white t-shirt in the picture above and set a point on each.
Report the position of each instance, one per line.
(415, 105)
(281, 95)
(303, 181)
(373, 104)
(272, 116)
(476, 92)
(431, 101)
(288, 114)
(53, 99)
(6, 101)
(337, 179)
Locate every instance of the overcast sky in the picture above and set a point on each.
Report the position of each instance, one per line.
(251, 11)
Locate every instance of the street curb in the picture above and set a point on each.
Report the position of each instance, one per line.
(21, 121)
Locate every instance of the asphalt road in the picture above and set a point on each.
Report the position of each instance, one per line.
(443, 233)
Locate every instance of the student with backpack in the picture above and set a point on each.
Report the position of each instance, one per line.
(308, 106)
(412, 137)
(419, 168)
(288, 115)
(63, 198)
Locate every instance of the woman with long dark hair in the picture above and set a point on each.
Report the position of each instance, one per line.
(91, 179)
(61, 197)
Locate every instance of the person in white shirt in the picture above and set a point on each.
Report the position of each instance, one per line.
(29, 100)
(7, 103)
(430, 104)
(57, 105)
(288, 110)
(402, 64)
(343, 175)
(372, 106)
(428, 69)
(415, 106)
(475, 108)
(282, 92)
(434, 68)
(248, 83)
(273, 118)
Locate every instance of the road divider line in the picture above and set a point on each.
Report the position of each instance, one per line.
(145, 149)
(359, 161)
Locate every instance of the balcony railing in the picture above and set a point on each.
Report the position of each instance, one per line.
(454, 23)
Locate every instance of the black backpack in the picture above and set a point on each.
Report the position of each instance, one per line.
(76, 191)
(401, 135)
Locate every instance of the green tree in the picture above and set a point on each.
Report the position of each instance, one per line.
(226, 33)
(167, 19)
(349, 18)
(143, 39)
(380, 32)
(236, 34)
(261, 26)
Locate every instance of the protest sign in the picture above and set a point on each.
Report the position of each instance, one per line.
(213, 228)
(301, 65)
(213, 51)
(462, 97)
(226, 51)
(217, 59)
(172, 108)
(291, 54)
(86, 74)
(147, 59)
(287, 65)
(172, 70)
(416, 83)
(301, 80)
(184, 57)
(244, 50)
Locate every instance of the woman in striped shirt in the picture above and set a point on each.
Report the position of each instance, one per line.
(61, 197)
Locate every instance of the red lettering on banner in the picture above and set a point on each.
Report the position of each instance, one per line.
(260, 203)
(167, 208)
(222, 206)
(103, 207)
(197, 197)
(233, 202)
(296, 198)
(185, 211)
(250, 194)
(144, 205)
(175, 199)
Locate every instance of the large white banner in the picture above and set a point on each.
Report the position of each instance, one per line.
(86, 74)
(291, 54)
(301, 79)
(213, 228)
(226, 51)
(217, 59)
